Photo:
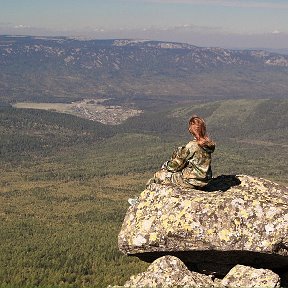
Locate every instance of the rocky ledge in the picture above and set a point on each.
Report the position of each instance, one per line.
(169, 271)
(237, 220)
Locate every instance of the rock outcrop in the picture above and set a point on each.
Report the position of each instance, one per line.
(245, 276)
(237, 220)
(169, 271)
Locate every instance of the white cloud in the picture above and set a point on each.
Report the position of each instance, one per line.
(276, 32)
(21, 26)
(98, 30)
(195, 28)
(181, 28)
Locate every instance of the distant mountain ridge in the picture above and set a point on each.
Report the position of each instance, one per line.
(58, 69)
(120, 54)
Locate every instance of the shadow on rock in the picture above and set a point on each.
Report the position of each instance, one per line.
(222, 183)
(218, 263)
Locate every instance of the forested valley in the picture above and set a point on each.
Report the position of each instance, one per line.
(65, 181)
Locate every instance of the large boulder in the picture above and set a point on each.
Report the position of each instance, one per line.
(245, 276)
(236, 220)
(169, 271)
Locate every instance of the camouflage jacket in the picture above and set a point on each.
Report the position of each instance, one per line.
(193, 163)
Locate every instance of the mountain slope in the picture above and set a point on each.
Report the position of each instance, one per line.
(62, 69)
(64, 193)
(115, 55)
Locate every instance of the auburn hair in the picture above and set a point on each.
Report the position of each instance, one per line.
(197, 128)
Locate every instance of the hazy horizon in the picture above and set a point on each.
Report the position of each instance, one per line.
(222, 23)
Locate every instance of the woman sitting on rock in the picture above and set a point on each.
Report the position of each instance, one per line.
(190, 165)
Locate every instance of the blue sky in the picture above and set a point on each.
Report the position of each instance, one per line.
(207, 22)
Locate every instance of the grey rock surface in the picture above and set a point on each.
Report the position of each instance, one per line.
(236, 220)
(245, 276)
(169, 271)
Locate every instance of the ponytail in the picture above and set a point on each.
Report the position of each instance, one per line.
(197, 128)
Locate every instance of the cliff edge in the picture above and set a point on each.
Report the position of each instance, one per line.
(236, 220)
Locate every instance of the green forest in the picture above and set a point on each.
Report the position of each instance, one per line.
(65, 181)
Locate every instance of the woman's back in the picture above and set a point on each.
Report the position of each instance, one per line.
(198, 170)
(190, 165)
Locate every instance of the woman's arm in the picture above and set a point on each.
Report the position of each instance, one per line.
(178, 160)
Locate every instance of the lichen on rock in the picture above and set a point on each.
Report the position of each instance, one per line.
(169, 271)
(244, 222)
(245, 276)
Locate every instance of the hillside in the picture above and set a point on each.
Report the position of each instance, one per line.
(130, 71)
(65, 181)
